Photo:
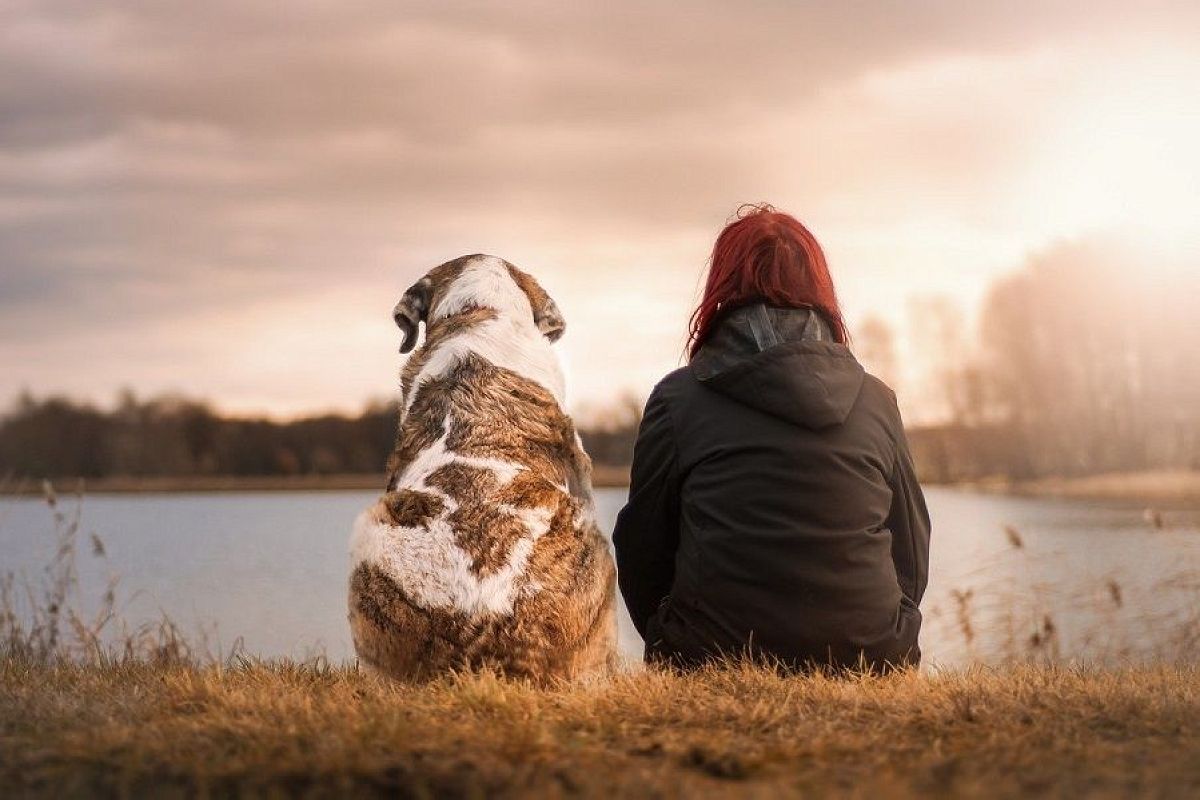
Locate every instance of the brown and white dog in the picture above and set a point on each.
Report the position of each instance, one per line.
(484, 550)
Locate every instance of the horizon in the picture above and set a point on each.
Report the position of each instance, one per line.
(237, 230)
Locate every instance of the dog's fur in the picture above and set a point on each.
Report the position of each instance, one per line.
(484, 550)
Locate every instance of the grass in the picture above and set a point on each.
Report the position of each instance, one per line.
(281, 728)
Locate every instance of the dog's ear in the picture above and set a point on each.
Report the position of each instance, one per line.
(546, 315)
(549, 319)
(413, 309)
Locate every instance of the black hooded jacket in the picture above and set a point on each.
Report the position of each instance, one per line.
(773, 506)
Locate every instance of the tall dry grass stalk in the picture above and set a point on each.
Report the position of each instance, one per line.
(998, 621)
(41, 621)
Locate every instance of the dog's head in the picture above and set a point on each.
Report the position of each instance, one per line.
(476, 281)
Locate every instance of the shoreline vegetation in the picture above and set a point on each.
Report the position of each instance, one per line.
(1152, 487)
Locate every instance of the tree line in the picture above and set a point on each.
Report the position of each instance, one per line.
(56, 437)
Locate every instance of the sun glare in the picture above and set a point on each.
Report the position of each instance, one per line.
(1122, 156)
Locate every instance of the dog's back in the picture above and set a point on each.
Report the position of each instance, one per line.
(484, 550)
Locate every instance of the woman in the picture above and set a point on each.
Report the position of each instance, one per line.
(773, 507)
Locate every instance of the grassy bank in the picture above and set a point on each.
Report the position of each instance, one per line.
(1165, 488)
(259, 728)
(1174, 489)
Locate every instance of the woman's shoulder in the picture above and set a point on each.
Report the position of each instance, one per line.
(675, 380)
(875, 387)
(880, 401)
(669, 392)
(674, 387)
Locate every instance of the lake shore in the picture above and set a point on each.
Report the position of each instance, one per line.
(603, 477)
(284, 729)
(1152, 488)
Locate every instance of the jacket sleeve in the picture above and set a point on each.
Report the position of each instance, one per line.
(646, 535)
(909, 523)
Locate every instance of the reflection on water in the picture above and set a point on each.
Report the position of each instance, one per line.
(1009, 576)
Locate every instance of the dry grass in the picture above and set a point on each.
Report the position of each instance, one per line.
(71, 730)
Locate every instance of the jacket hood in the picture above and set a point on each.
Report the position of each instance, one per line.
(783, 361)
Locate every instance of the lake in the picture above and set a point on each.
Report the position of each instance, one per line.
(1010, 577)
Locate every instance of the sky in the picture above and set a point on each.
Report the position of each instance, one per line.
(225, 199)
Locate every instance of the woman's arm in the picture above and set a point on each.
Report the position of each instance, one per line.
(908, 521)
(647, 531)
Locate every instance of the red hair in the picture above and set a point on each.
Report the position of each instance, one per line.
(768, 256)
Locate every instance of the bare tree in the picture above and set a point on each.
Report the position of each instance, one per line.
(875, 345)
(1092, 362)
(941, 341)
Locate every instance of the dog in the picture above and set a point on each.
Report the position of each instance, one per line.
(484, 551)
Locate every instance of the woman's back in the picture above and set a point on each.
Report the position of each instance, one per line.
(773, 506)
(786, 468)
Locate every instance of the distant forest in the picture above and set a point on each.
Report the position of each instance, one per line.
(171, 436)
(1080, 363)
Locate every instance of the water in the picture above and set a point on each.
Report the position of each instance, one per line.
(271, 569)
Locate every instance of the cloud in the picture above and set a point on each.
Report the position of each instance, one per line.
(166, 166)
